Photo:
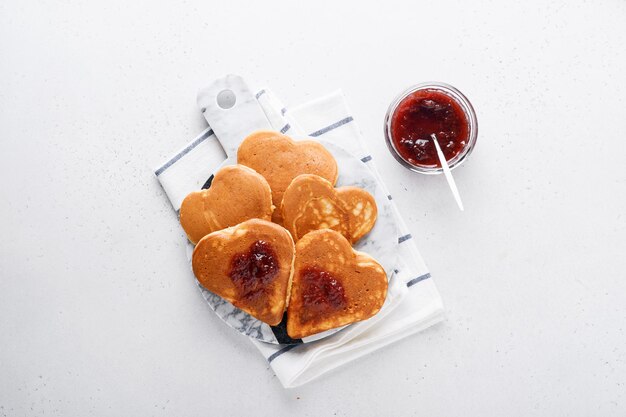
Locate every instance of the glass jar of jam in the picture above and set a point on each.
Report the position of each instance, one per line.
(426, 109)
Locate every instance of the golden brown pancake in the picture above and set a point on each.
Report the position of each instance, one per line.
(237, 193)
(311, 203)
(280, 159)
(249, 265)
(333, 285)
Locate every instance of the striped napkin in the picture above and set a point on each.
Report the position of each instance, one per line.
(420, 306)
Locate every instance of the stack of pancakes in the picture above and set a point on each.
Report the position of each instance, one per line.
(245, 225)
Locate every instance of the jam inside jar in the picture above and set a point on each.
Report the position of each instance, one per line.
(424, 110)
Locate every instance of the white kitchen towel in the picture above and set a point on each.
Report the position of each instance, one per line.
(421, 306)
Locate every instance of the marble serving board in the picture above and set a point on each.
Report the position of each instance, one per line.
(232, 120)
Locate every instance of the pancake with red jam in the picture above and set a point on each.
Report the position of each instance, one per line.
(248, 265)
(332, 285)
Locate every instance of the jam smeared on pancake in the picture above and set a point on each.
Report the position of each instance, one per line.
(322, 293)
(253, 270)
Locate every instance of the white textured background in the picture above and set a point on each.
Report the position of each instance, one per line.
(98, 312)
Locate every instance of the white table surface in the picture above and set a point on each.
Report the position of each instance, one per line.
(98, 313)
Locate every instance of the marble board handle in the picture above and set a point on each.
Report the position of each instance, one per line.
(232, 111)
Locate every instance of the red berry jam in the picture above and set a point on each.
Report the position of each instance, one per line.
(253, 270)
(418, 116)
(322, 293)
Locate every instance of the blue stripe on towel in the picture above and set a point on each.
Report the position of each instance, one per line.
(331, 127)
(404, 238)
(203, 136)
(418, 279)
(280, 352)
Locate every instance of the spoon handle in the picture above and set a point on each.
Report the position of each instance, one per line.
(447, 173)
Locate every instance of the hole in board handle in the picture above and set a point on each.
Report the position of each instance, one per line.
(226, 99)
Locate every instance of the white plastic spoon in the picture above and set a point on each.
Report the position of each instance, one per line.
(447, 173)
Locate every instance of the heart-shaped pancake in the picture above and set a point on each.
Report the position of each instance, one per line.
(332, 285)
(237, 193)
(280, 159)
(248, 265)
(311, 203)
